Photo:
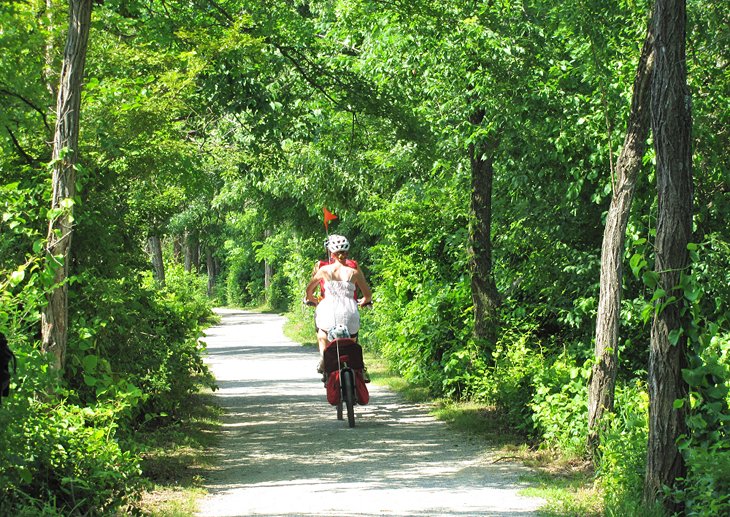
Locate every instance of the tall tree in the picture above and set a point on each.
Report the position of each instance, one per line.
(154, 249)
(483, 288)
(603, 376)
(54, 325)
(671, 126)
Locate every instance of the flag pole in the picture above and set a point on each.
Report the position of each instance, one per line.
(328, 216)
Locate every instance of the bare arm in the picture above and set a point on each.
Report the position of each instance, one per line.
(311, 286)
(359, 279)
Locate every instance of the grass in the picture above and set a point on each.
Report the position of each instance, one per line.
(300, 329)
(381, 374)
(176, 457)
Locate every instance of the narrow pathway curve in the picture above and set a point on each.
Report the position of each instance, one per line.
(284, 452)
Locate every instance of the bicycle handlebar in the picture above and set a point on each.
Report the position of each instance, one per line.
(312, 304)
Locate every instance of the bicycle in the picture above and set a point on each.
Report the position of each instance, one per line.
(344, 377)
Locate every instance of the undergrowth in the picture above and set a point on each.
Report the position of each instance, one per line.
(175, 459)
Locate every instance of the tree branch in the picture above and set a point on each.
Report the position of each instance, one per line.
(312, 82)
(222, 11)
(28, 158)
(29, 103)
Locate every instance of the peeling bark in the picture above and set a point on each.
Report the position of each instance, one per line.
(54, 322)
(603, 376)
(671, 126)
(484, 290)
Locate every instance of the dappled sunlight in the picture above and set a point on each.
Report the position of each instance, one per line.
(283, 451)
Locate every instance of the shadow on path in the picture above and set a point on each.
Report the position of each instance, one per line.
(285, 453)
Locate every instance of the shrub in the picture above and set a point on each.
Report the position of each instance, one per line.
(517, 358)
(706, 489)
(141, 345)
(622, 453)
(243, 285)
(560, 404)
(279, 298)
(58, 458)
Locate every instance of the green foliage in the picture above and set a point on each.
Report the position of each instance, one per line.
(517, 359)
(228, 128)
(560, 404)
(144, 354)
(58, 457)
(705, 489)
(244, 282)
(622, 453)
(59, 454)
(67, 448)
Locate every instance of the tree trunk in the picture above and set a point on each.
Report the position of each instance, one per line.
(192, 251)
(54, 322)
(154, 248)
(177, 249)
(268, 271)
(48, 54)
(211, 267)
(484, 290)
(603, 376)
(671, 125)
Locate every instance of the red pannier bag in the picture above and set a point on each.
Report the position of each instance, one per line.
(334, 393)
(333, 388)
(361, 389)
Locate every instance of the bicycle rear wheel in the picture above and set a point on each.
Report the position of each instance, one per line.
(347, 378)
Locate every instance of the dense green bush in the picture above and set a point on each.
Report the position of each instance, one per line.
(133, 339)
(58, 458)
(244, 283)
(510, 386)
(622, 454)
(61, 453)
(279, 298)
(67, 446)
(560, 404)
(706, 489)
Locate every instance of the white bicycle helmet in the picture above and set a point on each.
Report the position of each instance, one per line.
(338, 243)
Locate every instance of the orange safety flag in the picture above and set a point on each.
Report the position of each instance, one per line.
(328, 216)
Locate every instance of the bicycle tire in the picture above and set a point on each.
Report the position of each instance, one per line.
(348, 393)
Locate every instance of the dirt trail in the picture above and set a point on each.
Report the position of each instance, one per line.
(283, 451)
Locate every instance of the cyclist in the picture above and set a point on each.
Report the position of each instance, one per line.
(339, 305)
(350, 262)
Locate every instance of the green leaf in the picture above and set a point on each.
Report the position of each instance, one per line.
(89, 362)
(647, 312)
(717, 392)
(674, 336)
(659, 293)
(16, 277)
(25, 475)
(650, 279)
(692, 377)
(637, 263)
(678, 403)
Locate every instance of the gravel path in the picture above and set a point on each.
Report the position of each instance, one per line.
(283, 451)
